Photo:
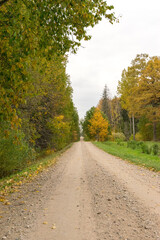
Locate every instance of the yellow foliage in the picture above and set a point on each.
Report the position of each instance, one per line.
(99, 126)
(53, 227)
(45, 223)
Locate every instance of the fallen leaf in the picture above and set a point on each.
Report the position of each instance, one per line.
(7, 203)
(45, 222)
(2, 199)
(53, 227)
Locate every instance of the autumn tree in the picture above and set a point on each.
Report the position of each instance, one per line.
(116, 114)
(128, 81)
(147, 93)
(98, 127)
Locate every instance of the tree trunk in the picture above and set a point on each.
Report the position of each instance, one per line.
(154, 131)
(130, 121)
(133, 127)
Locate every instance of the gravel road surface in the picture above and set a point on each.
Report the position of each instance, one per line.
(87, 195)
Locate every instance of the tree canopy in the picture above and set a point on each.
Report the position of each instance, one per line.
(139, 89)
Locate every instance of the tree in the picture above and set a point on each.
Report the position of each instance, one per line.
(128, 81)
(147, 93)
(37, 29)
(86, 123)
(116, 114)
(98, 127)
(61, 25)
(105, 104)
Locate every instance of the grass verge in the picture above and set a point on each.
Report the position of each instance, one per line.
(134, 156)
(11, 184)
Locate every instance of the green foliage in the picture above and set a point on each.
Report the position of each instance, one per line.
(86, 123)
(105, 104)
(155, 149)
(15, 153)
(118, 136)
(42, 29)
(146, 149)
(132, 144)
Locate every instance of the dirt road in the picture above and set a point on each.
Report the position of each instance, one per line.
(88, 195)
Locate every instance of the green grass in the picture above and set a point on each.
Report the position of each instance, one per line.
(135, 156)
(12, 183)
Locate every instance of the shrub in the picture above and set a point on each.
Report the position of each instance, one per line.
(132, 144)
(140, 144)
(15, 153)
(138, 137)
(110, 138)
(131, 138)
(119, 142)
(118, 136)
(146, 149)
(155, 149)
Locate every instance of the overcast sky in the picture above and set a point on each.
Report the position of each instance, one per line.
(111, 49)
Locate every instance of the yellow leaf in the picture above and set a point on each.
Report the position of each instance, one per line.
(45, 222)
(53, 227)
(7, 203)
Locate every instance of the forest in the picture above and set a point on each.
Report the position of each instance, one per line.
(135, 113)
(37, 113)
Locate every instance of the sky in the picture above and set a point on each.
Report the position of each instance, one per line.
(101, 60)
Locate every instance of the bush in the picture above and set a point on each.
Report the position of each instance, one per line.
(155, 149)
(140, 144)
(146, 149)
(15, 153)
(118, 136)
(110, 138)
(132, 144)
(119, 142)
(138, 137)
